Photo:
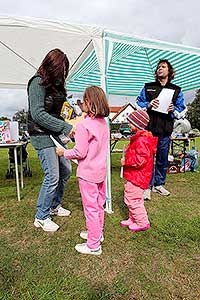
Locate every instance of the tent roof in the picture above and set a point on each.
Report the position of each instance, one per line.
(134, 61)
(131, 61)
(124, 61)
(25, 41)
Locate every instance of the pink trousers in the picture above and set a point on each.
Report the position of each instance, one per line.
(134, 199)
(93, 198)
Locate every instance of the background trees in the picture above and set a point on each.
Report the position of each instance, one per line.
(193, 114)
(21, 116)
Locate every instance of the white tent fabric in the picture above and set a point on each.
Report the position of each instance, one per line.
(119, 63)
(25, 41)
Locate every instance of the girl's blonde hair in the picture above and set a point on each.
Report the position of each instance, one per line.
(96, 101)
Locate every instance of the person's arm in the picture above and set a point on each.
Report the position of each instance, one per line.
(38, 113)
(141, 156)
(80, 149)
(142, 103)
(180, 103)
(178, 109)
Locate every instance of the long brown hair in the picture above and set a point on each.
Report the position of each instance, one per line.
(96, 101)
(171, 70)
(54, 69)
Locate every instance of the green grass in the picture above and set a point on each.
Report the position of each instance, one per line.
(161, 263)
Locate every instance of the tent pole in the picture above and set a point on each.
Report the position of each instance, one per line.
(108, 207)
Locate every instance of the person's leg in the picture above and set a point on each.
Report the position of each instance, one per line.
(65, 170)
(50, 166)
(127, 201)
(161, 160)
(90, 194)
(147, 192)
(101, 202)
(152, 181)
(136, 205)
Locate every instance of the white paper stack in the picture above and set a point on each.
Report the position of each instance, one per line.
(165, 98)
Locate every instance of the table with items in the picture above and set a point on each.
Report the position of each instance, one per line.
(15, 146)
(179, 146)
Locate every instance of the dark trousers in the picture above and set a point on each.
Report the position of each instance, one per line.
(161, 163)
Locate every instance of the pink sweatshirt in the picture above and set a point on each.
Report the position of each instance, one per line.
(91, 148)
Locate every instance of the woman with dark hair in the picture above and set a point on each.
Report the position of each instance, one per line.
(46, 95)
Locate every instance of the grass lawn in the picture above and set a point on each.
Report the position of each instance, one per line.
(161, 263)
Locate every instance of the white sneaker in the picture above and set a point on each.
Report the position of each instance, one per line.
(84, 234)
(147, 194)
(46, 225)
(59, 211)
(161, 190)
(84, 249)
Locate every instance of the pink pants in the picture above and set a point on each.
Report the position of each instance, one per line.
(134, 199)
(93, 198)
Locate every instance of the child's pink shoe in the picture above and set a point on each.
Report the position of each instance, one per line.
(134, 227)
(126, 222)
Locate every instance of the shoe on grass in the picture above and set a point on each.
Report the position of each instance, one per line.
(161, 190)
(46, 225)
(126, 222)
(84, 249)
(84, 235)
(134, 227)
(147, 194)
(59, 211)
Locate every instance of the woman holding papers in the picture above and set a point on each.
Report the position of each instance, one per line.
(46, 95)
(163, 101)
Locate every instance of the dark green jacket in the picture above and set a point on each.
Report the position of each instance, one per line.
(36, 100)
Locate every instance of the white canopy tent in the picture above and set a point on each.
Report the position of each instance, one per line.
(24, 42)
(119, 63)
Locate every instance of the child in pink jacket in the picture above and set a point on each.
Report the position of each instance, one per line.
(138, 164)
(91, 149)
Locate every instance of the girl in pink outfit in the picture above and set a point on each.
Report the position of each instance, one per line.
(138, 164)
(91, 148)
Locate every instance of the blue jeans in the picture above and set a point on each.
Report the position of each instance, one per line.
(159, 172)
(57, 171)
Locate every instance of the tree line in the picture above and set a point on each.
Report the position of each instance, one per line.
(193, 114)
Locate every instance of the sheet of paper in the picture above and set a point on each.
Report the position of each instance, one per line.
(58, 145)
(165, 98)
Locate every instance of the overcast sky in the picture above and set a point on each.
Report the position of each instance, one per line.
(170, 20)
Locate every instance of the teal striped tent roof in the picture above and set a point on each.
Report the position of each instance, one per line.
(131, 61)
(86, 75)
(119, 63)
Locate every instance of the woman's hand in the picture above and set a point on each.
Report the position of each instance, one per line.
(60, 151)
(154, 103)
